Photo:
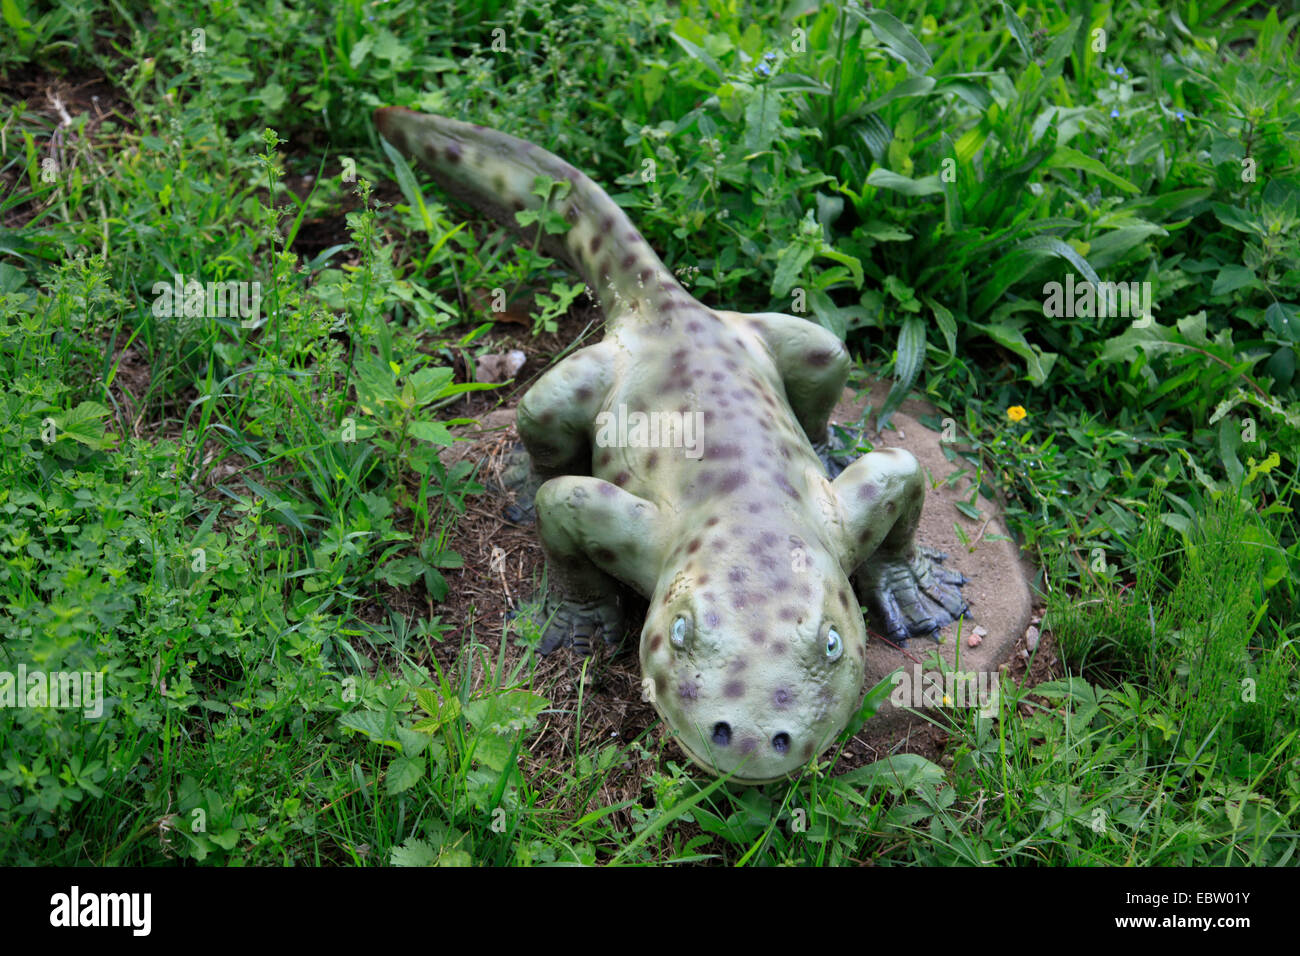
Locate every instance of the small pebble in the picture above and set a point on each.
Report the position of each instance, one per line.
(1031, 638)
(974, 640)
(980, 631)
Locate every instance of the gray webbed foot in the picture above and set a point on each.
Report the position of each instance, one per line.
(913, 597)
(578, 624)
(519, 477)
(842, 446)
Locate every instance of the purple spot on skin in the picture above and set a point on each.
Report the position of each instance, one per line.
(788, 613)
(767, 539)
(711, 522)
(867, 491)
(693, 546)
(606, 224)
(595, 243)
(453, 152)
(755, 507)
(732, 480)
(737, 574)
(605, 458)
(710, 619)
(758, 637)
(709, 416)
(622, 478)
(606, 489)
(778, 648)
(703, 580)
(782, 698)
(629, 260)
(738, 665)
(695, 327)
(734, 689)
(747, 745)
(820, 358)
(688, 690)
(782, 483)
(583, 393)
(651, 460)
(656, 642)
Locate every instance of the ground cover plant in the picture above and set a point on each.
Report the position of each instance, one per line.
(239, 513)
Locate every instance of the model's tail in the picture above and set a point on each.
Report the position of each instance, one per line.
(494, 173)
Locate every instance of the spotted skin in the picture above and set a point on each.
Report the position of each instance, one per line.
(754, 642)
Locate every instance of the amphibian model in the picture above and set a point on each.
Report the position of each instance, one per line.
(754, 641)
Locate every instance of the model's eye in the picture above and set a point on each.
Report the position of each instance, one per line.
(680, 627)
(834, 646)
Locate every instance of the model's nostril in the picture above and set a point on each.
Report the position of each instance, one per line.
(781, 743)
(722, 733)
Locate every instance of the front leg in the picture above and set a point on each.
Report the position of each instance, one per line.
(907, 593)
(594, 534)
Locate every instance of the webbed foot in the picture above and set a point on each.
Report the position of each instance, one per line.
(912, 597)
(577, 624)
(520, 478)
(842, 446)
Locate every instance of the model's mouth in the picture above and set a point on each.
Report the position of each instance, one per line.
(738, 775)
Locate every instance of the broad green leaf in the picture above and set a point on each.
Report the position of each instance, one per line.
(1038, 363)
(1018, 30)
(887, 179)
(1231, 278)
(899, 773)
(898, 40)
(435, 432)
(403, 774)
(911, 356)
(1068, 158)
(85, 424)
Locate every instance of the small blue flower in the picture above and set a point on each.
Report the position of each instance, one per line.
(1114, 114)
(1119, 71)
(769, 56)
(1179, 116)
(764, 69)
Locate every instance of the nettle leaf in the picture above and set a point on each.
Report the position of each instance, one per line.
(1283, 318)
(402, 572)
(84, 424)
(899, 773)
(435, 432)
(1231, 278)
(403, 774)
(413, 852)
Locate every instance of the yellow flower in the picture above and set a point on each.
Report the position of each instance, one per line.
(1016, 413)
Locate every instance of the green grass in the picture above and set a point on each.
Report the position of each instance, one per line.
(246, 541)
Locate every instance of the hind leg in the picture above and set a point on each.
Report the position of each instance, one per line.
(554, 420)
